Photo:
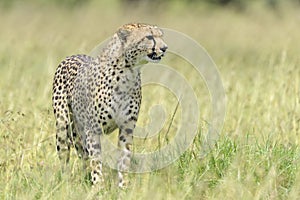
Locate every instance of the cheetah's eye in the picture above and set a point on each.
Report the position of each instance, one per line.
(149, 37)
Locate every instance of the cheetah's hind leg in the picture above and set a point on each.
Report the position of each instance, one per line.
(63, 142)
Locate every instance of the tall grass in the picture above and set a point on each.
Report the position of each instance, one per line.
(257, 52)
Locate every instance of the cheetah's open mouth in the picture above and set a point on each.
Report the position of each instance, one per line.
(154, 57)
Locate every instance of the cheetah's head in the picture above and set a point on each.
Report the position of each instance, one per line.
(142, 43)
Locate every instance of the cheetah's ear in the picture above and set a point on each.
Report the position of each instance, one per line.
(123, 34)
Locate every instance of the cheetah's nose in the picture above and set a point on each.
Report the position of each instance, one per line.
(163, 49)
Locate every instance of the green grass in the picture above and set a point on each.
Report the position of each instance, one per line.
(257, 53)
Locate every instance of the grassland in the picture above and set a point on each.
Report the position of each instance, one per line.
(257, 52)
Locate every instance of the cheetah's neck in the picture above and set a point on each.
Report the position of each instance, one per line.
(114, 55)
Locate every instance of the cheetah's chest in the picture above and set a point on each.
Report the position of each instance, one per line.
(117, 99)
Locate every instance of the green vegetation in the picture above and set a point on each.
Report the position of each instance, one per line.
(257, 52)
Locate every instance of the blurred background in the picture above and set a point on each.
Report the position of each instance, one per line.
(256, 47)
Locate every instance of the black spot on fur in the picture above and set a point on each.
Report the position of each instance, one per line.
(128, 113)
(122, 138)
(128, 130)
(96, 146)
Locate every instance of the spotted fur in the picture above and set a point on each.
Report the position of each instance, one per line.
(92, 96)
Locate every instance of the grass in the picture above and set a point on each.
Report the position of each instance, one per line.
(257, 53)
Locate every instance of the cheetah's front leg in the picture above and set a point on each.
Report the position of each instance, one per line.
(124, 143)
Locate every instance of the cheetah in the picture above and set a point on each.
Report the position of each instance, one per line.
(96, 95)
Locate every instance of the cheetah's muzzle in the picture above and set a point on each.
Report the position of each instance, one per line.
(153, 56)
